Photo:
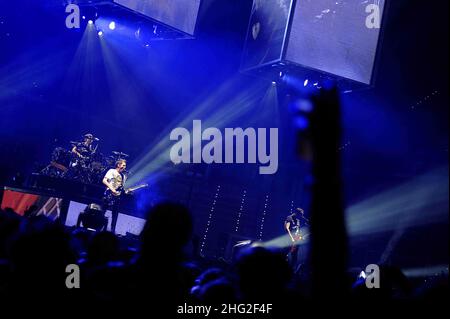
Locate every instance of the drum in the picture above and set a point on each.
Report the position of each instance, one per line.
(61, 156)
(79, 169)
(97, 168)
(109, 162)
(97, 163)
(59, 164)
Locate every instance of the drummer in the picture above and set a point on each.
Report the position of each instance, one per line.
(86, 148)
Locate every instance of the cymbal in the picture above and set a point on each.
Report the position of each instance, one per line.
(119, 153)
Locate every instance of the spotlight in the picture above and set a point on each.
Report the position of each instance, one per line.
(100, 33)
(89, 13)
(112, 25)
(274, 83)
(306, 82)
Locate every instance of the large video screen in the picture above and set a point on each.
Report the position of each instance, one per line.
(24, 203)
(179, 14)
(333, 36)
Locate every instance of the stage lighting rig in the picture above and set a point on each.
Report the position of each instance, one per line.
(93, 218)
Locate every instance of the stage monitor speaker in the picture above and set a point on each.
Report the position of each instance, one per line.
(337, 39)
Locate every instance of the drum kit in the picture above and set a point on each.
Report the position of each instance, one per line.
(89, 169)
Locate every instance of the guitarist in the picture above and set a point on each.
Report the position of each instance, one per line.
(114, 180)
(292, 226)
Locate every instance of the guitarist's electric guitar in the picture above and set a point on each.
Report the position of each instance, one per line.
(298, 238)
(111, 198)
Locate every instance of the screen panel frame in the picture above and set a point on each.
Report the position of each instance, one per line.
(377, 55)
(283, 46)
(150, 19)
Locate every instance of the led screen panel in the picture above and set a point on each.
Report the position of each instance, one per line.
(333, 36)
(179, 14)
(24, 203)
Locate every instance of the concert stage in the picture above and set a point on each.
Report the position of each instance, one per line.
(167, 153)
(63, 200)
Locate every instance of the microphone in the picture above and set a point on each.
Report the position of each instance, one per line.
(96, 139)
